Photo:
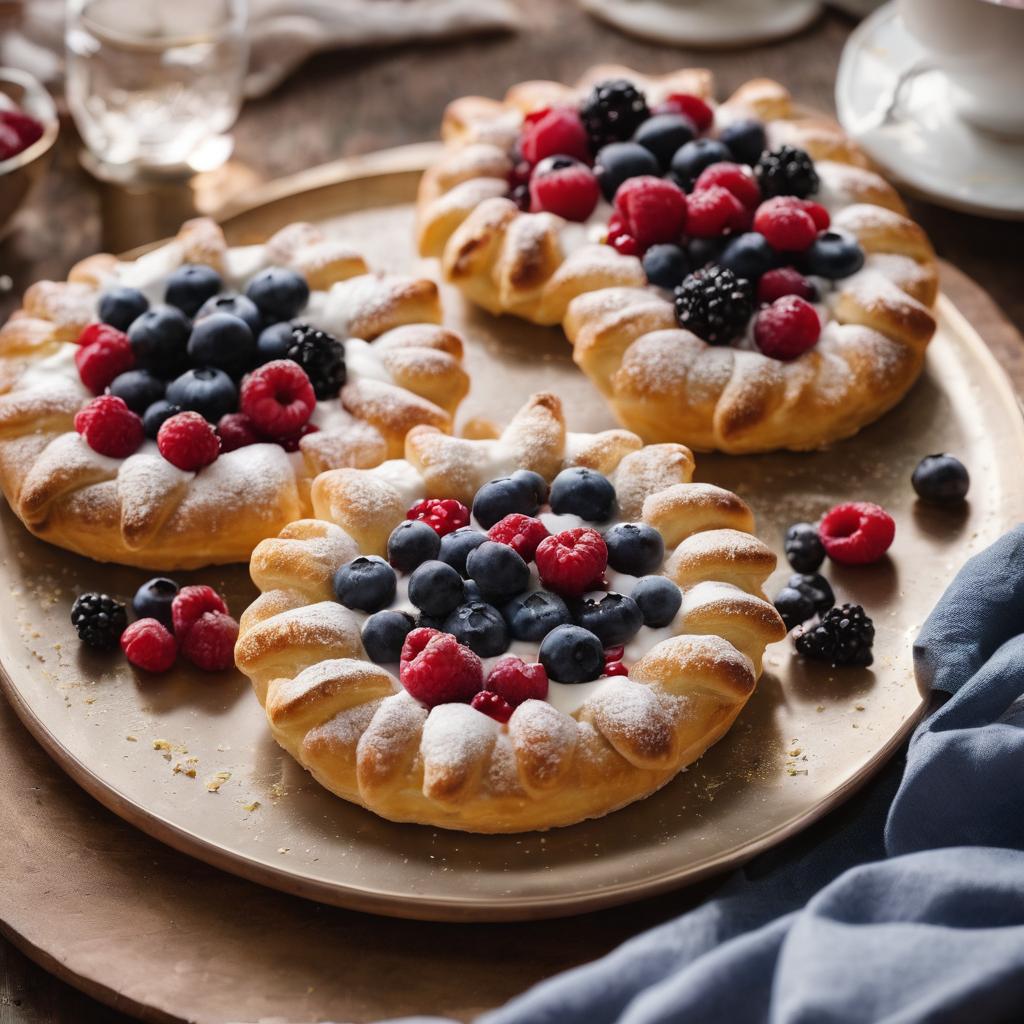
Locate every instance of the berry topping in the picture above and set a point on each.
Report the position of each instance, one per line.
(18, 131)
(564, 186)
(412, 542)
(624, 244)
(857, 533)
(787, 328)
(480, 627)
(844, 636)
(224, 341)
(98, 332)
(210, 642)
(833, 254)
(492, 705)
(689, 160)
(157, 415)
(794, 606)
(436, 588)
(99, 620)
(613, 111)
(786, 171)
(191, 602)
(571, 562)
(748, 255)
(456, 546)
(941, 479)
(436, 669)
(803, 547)
(583, 492)
(612, 618)
(120, 306)
(533, 615)
(237, 305)
(499, 571)
(620, 161)
(774, 284)
(692, 107)
(522, 533)
(745, 139)
(715, 304)
(367, 584)
(442, 515)
(814, 586)
(817, 213)
(279, 293)
(714, 210)
(516, 681)
(735, 178)
(322, 356)
(658, 599)
(149, 645)
(205, 390)
(110, 427)
(159, 338)
(273, 342)
(652, 210)
(504, 496)
(278, 398)
(615, 668)
(555, 132)
(100, 361)
(138, 388)
(663, 134)
(787, 227)
(236, 431)
(572, 654)
(666, 265)
(384, 633)
(188, 441)
(634, 548)
(189, 286)
(291, 442)
(154, 598)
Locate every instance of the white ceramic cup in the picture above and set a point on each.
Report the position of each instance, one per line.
(979, 46)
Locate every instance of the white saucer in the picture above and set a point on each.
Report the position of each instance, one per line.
(920, 141)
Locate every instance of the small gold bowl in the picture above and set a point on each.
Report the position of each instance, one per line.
(19, 173)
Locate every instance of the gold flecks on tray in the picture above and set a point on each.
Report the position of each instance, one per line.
(218, 780)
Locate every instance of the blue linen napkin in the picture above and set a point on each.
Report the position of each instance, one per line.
(909, 909)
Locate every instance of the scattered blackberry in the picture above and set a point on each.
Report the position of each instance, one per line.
(843, 636)
(804, 550)
(786, 171)
(613, 111)
(99, 619)
(715, 304)
(322, 356)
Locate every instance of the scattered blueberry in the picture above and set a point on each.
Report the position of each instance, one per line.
(237, 305)
(190, 286)
(794, 606)
(749, 255)
(138, 388)
(745, 140)
(535, 485)
(690, 159)
(224, 341)
(471, 591)
(618, 161)
(634, 548)
(153, 600)
(814, 586)
(159, 338)
(367, 584)
(206, 390)
(411, 543)
(658, 599)
(571, 654)
(942, 479)
(279, 293)
(612, 618)
(833, 254)
(663, 134)
(704, 251)
(456, 546)
(501, 497)
(274, 342)
(121, 306)
(480, 627)
(583, 492)
(436, 588)
(499, 571)
(666, 265)
(804, 550)
(384, 633)
(532, 616)
(156, 415)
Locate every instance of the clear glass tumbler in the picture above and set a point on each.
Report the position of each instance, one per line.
(156, 84)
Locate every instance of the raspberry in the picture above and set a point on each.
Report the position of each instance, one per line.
(570, 562)
(278, 398)
(735, 178)
(785, 225)
(652, 210)
(787, 328)
(773, 284)
(442, 515)
(100, 361)
(817, 212)
(191, 602)
(691, 106)
(110, 427)
(515, 681)
(614, 653)
(615, 668)
(237, 431)
(554, 132)
(99, 332)
(856, 533)
(565, 187)
(713, 211)
(624, 244)
(436, 669)
(188, 441)
(492, 705)
(210, 642)
(291, 444)
(522, 533)
(149, 645)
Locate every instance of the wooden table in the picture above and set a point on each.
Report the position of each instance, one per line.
(342, 104)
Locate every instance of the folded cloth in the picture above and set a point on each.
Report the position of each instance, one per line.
(905, 906)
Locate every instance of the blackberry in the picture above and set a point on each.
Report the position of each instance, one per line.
(322, 356)
(99, 619)
(814, 586)
(843, 636)
(804, 550)
(715, 304)
(612, 112)
(786, 171)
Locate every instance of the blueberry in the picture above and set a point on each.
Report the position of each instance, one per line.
(205, 390)
(190, 286)
(749, 255)
(237, 305)
(471, 591)
(814, 586)
(367, 584)
(499, 498)
(279, 293)
(535, 484)
(411, 543)
(612, 618)
(634, 548)
(704, 251)
(120, 306)
(658, 599)
(156, 415)
(456, 546)
(222, 340)
(274, 342)
(690, 159)
(803, 547)
(583, 492)
(532, 616)
(436, 588)
(431, 622)
(571, 654)
(139, 389)
(499, 571)
(833, 254)
(618, 161)
(159, 338)
(663, 134)
(666, 265)
(794, 606)
(384, 633)
(942, 479)
(480, 627)
(153, 600)
(746, 140)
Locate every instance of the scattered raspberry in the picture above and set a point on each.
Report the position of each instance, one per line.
(210, 642)
(787, 328)
(624, 244)
(436, 669)
(188, 441)
(857, 533)
(787, 227)
(615, 668)
(492, 705)
(651, 209)
(735, 178)
(522, 533)
(278, 398)
(237, 431)
(291, 444)
(571, 561)
(99, 332)
(100, 361)
(515, 681)
(774, 284)
(614, 653)
(691, 106)
(110, 427)
(564, 186)
(817, 212)
(442, 515)
(191, 602)
(554, 132)
(149, 645)
(713, 211)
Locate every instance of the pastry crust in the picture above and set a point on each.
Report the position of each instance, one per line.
(361, 735)
(661, 381)
(142, 510)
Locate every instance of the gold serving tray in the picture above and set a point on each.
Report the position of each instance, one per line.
(188, 759)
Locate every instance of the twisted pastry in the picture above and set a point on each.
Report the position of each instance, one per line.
(361, 735)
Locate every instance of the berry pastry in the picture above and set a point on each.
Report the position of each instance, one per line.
(170, 412)
(585, 622)
(731, 276)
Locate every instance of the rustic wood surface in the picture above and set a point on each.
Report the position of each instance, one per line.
(342, 104)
